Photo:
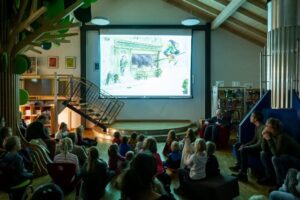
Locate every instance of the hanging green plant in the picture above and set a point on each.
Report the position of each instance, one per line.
(23, 96)
(65, 21)
(21, 64)
(53, 8)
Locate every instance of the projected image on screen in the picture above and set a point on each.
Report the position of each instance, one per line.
(146, 65)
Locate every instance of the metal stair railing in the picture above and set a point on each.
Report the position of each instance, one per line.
(88, 100)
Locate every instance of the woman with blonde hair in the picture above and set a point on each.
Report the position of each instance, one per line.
(66, 146)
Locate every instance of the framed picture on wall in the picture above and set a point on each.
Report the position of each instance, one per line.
(53, 61)
(70, 62)
(33, 66)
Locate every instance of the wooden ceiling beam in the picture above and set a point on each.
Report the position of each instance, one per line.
(246, 12)
(233, 21)
(258, 3)
(211, 14)
(227, 12)
(254, 39)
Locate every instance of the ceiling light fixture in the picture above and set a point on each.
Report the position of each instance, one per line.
(100, 21)
(190, 22)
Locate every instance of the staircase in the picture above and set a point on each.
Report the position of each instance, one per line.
(88, 100)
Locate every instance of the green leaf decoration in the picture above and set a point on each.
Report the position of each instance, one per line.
(46, 45)
(21, 64)
(3, 62)
(53, 8)
(65, 21)
(23, 96)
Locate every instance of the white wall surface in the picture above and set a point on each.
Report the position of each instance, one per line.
(65, 49)
(234, 59)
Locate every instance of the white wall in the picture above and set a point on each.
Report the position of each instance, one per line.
(234, 59)
(65, 49)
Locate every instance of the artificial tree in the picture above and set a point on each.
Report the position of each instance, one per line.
(28, 25)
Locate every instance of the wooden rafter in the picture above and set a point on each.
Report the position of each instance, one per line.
(258, 3)
(246, 12)
(227, 12)
(199, 9)
(46, 26)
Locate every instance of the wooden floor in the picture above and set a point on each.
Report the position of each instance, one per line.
(224, 157)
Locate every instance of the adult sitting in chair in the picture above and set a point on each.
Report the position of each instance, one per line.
(213, 126)
(251, 148)
(38, 130)
(280, 152)
(14, 177)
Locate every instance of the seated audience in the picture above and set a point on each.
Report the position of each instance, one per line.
(279, 152)
(84, 141)
(188, 146)
(139, 144)
(124, 168)
(62, 132)
(290, 189)
(150, 146)
(115, 160)
(95, 175)
(132, 141)
(212, 164)
(38, 130)
(213, 125)
(174, 157)
(124, 146)
(196, 163)
(13, 161)
(66, 146)
(139, 181)
(251, 148)
(170, 138)
(117, 138)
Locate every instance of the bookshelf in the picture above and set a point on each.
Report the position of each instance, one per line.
(32, 110)
(236, 100)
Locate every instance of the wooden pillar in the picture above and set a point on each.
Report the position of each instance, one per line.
(9, 98)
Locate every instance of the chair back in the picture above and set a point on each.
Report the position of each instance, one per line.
(63, 174)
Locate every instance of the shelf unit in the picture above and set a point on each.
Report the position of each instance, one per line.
(32, 110)
(236, 100)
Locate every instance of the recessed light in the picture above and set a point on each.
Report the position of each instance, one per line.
(100, 21)
(190, 22)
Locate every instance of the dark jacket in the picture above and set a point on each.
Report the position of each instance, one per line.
(212, 166)
(282, 144)
(36, 130)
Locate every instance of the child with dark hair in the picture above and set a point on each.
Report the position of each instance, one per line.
(114, 158)
(170, 138)
(212, 165)
(150, 146)
(174, 158)
(117, 138)
(139, 182)
(95, 175)
(14, 170)
(124, 146)
(62, 132)
(139, 144)
(84, 141)
(132, 140)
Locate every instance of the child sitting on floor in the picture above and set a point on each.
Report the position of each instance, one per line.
(174, 158)
(117, 138)
(114, 158)
(139, 144)
(212, 165)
